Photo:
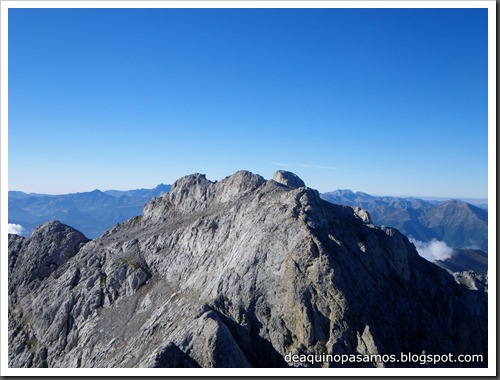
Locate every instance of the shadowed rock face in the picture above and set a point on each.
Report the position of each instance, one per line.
(236, 273)
(32, 260)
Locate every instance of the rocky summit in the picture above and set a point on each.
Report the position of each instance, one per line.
(245, 272)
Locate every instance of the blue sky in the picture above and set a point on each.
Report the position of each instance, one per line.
(385, 101)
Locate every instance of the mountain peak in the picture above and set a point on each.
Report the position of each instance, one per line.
(196, 179)
(199, 186)
(49, 246)
(242, 181)
(51, 228)
(288, 179)
(341, 192)
(195, 192)
(237, 273)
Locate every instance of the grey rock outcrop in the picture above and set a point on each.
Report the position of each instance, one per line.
(362, 214)
(50, 246)
(288, 179)
(473, 280)
(236, 273)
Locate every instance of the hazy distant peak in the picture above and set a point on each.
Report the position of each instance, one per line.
(15, 194)
(341, 192)
(162, 186)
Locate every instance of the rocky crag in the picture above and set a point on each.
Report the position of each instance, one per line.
(236, 273)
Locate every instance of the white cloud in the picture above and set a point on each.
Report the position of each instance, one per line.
(433, 250)
(15, 229)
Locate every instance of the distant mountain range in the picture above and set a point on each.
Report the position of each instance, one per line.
(92, 212)
(459, 224)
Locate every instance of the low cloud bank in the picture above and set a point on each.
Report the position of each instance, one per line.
(16, 229)
(433, 250)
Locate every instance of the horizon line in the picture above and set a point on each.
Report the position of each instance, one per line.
(423, 197)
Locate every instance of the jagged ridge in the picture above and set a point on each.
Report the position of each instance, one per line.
(240, 273)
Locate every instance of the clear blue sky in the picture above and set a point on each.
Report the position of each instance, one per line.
(385, 101)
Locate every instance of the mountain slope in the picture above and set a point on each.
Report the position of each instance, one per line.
(238, 273)
(464, 260)
(459, 224)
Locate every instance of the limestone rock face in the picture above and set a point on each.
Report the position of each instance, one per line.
(288, 179)
(362, 214)
(473, 280)
(49, 247)
(236, 273)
